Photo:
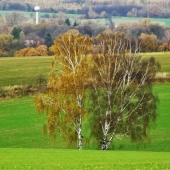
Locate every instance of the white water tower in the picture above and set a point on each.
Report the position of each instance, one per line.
(37, 8)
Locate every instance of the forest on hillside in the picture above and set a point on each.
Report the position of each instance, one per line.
(132, 8)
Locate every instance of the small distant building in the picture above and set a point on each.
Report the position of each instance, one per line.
(31, 43)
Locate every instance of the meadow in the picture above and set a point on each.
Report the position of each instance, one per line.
(163, 58)
(118, 20)
(21, 127)
(28, 70)
(38, 159)
(23, 145)
(23, 70)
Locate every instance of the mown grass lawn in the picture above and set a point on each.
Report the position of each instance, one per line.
(38, 159)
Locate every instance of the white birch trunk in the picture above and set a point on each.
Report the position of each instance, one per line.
(106, 128)
(107, 125)
(79, 136)
(79, 101)
(109, 142)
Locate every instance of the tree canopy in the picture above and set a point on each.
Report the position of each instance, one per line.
(114, 79)
(123, 103)
(63, 102)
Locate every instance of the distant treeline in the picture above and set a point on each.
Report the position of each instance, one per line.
(36, 40)
(112, 10)
(159, 9)
(16, 6)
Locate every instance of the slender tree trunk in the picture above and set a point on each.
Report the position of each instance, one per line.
(109, 142)
(79, 102)
(79, 136)
(107, 125)
(106, 128)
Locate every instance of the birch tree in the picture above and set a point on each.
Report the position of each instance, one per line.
(146, 4)
(122, 101)
(63, 102)
(15, 18)
(167, 35)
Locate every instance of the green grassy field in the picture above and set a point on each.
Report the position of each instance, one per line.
(23, 70)
(160, 131)
(38, 159)
(23, 146)
(20, 127)
(118, 20)
(26, 70)
(163, 58)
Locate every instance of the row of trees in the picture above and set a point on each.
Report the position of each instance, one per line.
(10, 6)
(151, 10)
(143, 8)
(110, 86)
(152, 37)
(44, 33)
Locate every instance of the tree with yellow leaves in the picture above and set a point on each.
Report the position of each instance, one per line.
(42, 50)
(148, 43)
(30, 51)
(64, 101)
(22, 52)
(6, 44)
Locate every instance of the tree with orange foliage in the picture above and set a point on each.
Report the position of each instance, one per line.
(64, 101)
(22, 52)
(30, 51)
(164, 47)
(148, 43)
(42, 50)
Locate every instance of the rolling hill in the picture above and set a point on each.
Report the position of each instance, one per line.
(73, 4)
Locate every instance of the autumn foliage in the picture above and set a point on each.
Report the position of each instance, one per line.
(6, 44)
(116, 79)
(30, 51)
(64, 102)
(164, 47)
(148, 43)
